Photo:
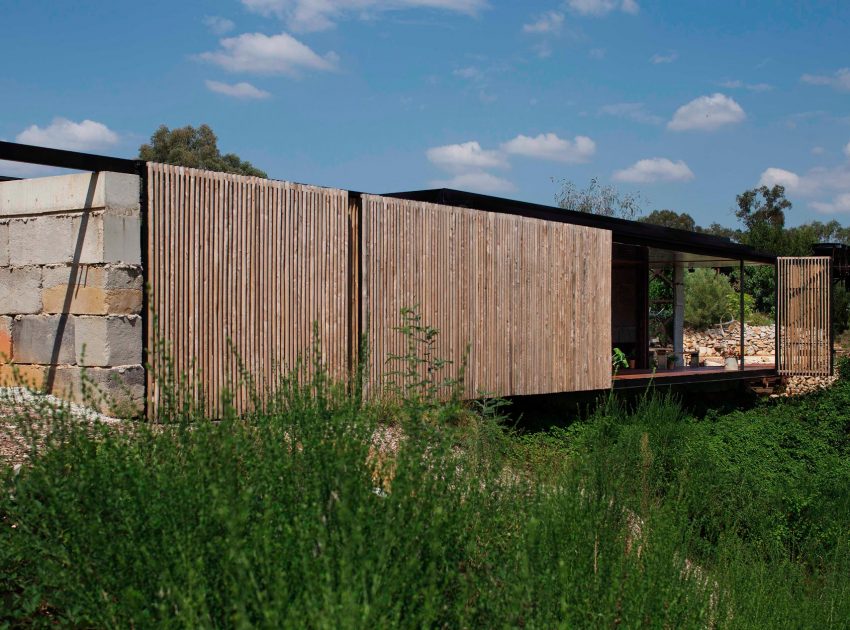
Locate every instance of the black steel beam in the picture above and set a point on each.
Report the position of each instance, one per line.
(692, 378)
(61, 158)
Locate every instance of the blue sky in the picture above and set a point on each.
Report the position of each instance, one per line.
(689, 102)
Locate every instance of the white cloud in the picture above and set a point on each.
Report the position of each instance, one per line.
(652, 170)
(818, 150)
(603, 7)
(465, 156)
(670, 57)
(839, 204)
(548, 146)
(829, 186)
(597, 53)
(781, 177)
(62, 133)
(319, 15)
(839, 81)
(631, 111)
(268, 54)
(752, 87)
(477, 181)
(218, 25)
(241, 90)
(847, 149)
(707, 113)
(550, 22)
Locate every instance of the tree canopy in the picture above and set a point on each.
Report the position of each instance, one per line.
(598, 199)
(671, 219)
(195, 148)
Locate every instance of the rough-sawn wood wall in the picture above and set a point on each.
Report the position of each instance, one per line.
(530, 298)
(244, 267)
(804, 315)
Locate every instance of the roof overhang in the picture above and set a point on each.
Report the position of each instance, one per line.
(702, 247)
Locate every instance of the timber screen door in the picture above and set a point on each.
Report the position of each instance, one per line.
(803, 312)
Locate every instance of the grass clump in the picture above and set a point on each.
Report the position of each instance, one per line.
(294, 515)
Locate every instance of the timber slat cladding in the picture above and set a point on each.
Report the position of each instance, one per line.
(243, 267)
(804, 316)
(530, 298)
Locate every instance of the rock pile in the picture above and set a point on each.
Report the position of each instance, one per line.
(759, 342)
(800, 385)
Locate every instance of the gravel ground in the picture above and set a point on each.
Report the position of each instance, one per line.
(18, 403)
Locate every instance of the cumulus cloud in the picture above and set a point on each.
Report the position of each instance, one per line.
(707, 113)
(840, 204)
(779, 176)
(828, 187)
(631, 111)
(477, 181)
(218, 25)
(839, 81)
(548, 23)
(242, 90)
(61, 133)
(670, 57)
(652, 170)
(465, 156)
(603, 7)
(268, 54)
(319, 15)
(548, 146)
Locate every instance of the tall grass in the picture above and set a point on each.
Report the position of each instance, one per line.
(291, 517)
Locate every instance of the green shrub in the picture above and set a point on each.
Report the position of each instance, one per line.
(709, 298)
(291, 516)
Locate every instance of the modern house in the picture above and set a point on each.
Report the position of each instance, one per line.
(244, 274)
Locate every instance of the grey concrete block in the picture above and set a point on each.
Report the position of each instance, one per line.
(41, 240)
(43, 339)
(100, 276)
(108, 341)
(122, 239)
(4, 244)
(118, 191)
(20, 290)
(116, 391)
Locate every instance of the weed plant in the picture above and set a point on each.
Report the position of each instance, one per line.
(288, 516)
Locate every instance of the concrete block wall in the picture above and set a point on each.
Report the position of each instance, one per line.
(71, 287)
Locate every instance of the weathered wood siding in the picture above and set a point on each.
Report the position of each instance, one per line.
(530, 298)
(243, 267)
(804, 316)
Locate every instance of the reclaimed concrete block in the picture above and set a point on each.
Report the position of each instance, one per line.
(43, 339)
(41, 240)
(108, 341)
(118, 191)
(5, 339)
(122, 239)
(20, 290)
(4, 244)
(30, 376)
(115, 391)
(93, 290)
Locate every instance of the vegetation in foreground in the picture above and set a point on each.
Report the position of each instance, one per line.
(293, 517)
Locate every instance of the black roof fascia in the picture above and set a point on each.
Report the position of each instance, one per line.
(624, 231)
(60, 158)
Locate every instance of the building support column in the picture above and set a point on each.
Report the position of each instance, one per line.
(741, 314)
(679, 311)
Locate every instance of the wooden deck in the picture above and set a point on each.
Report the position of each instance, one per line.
(682, 375)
